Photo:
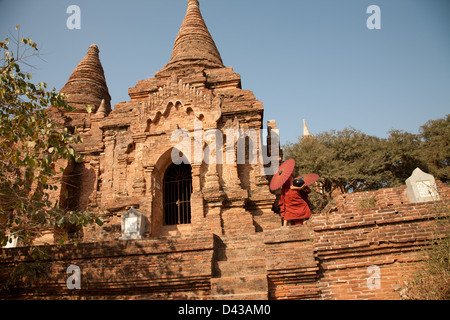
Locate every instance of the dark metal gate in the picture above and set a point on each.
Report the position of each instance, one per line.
(177, 194)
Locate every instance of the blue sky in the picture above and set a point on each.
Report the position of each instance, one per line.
(304, 59)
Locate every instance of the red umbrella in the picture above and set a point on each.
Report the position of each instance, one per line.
(309, 178)
(283, 174)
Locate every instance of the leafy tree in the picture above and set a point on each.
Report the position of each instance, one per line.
(435, 147)
(346, 161)
(30, 145)
(350, 160)
(358, 160)
(402, 152)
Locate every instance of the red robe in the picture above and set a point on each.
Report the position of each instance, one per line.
(293, 203)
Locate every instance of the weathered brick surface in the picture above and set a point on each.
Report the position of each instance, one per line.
(193, 42)
(327, 258)
(239, 269)
(128, 150)
(175, 268)
(389, 236)
(87, 85)
(292, 267)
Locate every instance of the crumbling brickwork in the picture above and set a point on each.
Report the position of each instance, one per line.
(128, 150)
(151, 269)
(354, 254)
(389, 235)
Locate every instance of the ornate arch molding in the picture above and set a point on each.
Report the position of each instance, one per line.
(179, 96)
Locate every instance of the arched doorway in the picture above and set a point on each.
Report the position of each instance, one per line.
(177, 194)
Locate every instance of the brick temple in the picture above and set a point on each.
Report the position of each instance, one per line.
(210, 229)
(128, 151)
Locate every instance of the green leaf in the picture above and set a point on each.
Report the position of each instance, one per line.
(73, 219)
(63, 239)
(60, 221)
(99, 221)
(30, 147)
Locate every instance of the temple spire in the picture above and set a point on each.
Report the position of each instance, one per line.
(87, 84)
(102, 111)
(194, 45)
(306, 132)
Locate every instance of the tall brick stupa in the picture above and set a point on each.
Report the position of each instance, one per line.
(128, 151)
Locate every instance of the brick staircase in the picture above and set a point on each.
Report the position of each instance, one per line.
(235, 222)
(239, 268)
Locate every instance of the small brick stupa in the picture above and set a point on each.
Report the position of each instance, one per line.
(87, 83)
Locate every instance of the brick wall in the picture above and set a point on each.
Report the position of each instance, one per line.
(345, 253)
(291, 263)
(369, 253)
(146, 269)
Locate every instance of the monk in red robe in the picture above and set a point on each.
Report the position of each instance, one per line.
(294, 202)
